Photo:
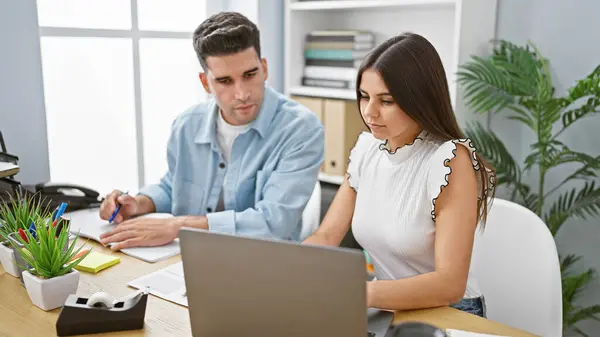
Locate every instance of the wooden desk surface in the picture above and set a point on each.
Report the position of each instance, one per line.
(19, 317)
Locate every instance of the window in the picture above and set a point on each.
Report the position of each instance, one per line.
(116, 73)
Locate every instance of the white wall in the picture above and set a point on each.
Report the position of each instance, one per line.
(566, 32)
(268, 15)
(22, 112)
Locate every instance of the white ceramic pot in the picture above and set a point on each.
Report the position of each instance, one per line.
(49, 294)
(7, 258)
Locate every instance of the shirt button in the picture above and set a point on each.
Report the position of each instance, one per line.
(209, 209)
(222, 165)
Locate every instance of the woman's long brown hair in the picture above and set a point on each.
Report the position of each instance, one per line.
(414, 75)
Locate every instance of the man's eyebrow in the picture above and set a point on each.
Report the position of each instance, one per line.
(247, 72)
(223, 78)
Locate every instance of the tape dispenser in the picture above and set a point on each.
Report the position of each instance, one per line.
(101, 312)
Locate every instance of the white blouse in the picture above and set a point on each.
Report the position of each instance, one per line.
(394, 219)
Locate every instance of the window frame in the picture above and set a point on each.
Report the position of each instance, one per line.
(135, 34)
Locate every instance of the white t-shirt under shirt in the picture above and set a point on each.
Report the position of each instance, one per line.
(394, 217)
(226, 134)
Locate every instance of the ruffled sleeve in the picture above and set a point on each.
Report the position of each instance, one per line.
(357, 155)
(439, 170)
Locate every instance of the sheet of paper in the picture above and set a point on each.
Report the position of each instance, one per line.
(88, 224)
(461, 333)
(167, 283)
(8, 169)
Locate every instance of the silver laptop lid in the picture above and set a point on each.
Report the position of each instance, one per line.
(240, 286)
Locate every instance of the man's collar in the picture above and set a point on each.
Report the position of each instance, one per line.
(268, 107)
(266, 113)
(207, 131)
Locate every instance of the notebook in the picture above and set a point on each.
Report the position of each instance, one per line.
(167, 283)
(88, 224)
(95, 262)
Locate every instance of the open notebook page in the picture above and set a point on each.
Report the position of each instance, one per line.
(88, 224)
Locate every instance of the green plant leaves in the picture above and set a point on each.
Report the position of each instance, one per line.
(508, 172)
(573, 285)
(486, 87)
(516, 81)
(49, 254)
(20, 212)
(493, 150)
(589, 86)
(578, 202)
(512, 72)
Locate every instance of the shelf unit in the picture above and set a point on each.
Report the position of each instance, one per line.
(323, 92)
(330, 178)
(350, 4)
(457, 28)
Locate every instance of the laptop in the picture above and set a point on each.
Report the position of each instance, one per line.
(242, 286)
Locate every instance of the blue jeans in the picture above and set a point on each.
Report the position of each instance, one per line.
(475, 306)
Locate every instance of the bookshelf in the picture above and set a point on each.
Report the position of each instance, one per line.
(457, 28)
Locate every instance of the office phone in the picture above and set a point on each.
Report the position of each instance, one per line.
(76, 196)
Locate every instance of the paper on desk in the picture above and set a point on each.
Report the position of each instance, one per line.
(88, 224)
(167, 283)
(461, 333)
(8, 169)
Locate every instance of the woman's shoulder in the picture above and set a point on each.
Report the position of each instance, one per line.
(366, 139)
(365, 143)
(445, 151)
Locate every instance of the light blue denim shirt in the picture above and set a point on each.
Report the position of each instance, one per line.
(271, 173)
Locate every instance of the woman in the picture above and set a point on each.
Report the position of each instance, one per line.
(415, 189)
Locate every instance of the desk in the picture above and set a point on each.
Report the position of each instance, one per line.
(19, 317)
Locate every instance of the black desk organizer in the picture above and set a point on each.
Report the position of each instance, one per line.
(77, 318)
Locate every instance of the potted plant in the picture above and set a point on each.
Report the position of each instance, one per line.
(18, 213)
(51, 257)
(516, 81)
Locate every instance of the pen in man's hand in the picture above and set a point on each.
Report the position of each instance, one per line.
(114, 215)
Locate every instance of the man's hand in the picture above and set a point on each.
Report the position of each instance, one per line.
(143, 232)
(129, 206)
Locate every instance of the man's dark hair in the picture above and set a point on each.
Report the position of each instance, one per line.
(225, 33)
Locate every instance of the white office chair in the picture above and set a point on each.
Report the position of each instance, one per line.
(311, 217)
(518, 270)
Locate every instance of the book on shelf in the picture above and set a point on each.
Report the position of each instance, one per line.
(325, 83)
(332, 57)
(333, 45)
(333, 63)
(340, 35)
(336, 54)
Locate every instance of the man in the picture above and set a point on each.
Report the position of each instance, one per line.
(243, 163)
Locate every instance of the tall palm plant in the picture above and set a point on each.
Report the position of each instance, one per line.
(515, 81)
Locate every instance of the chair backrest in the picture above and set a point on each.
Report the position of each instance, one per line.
(311, 216)
(517, 267)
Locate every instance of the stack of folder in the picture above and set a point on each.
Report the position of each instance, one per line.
(332, 57)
